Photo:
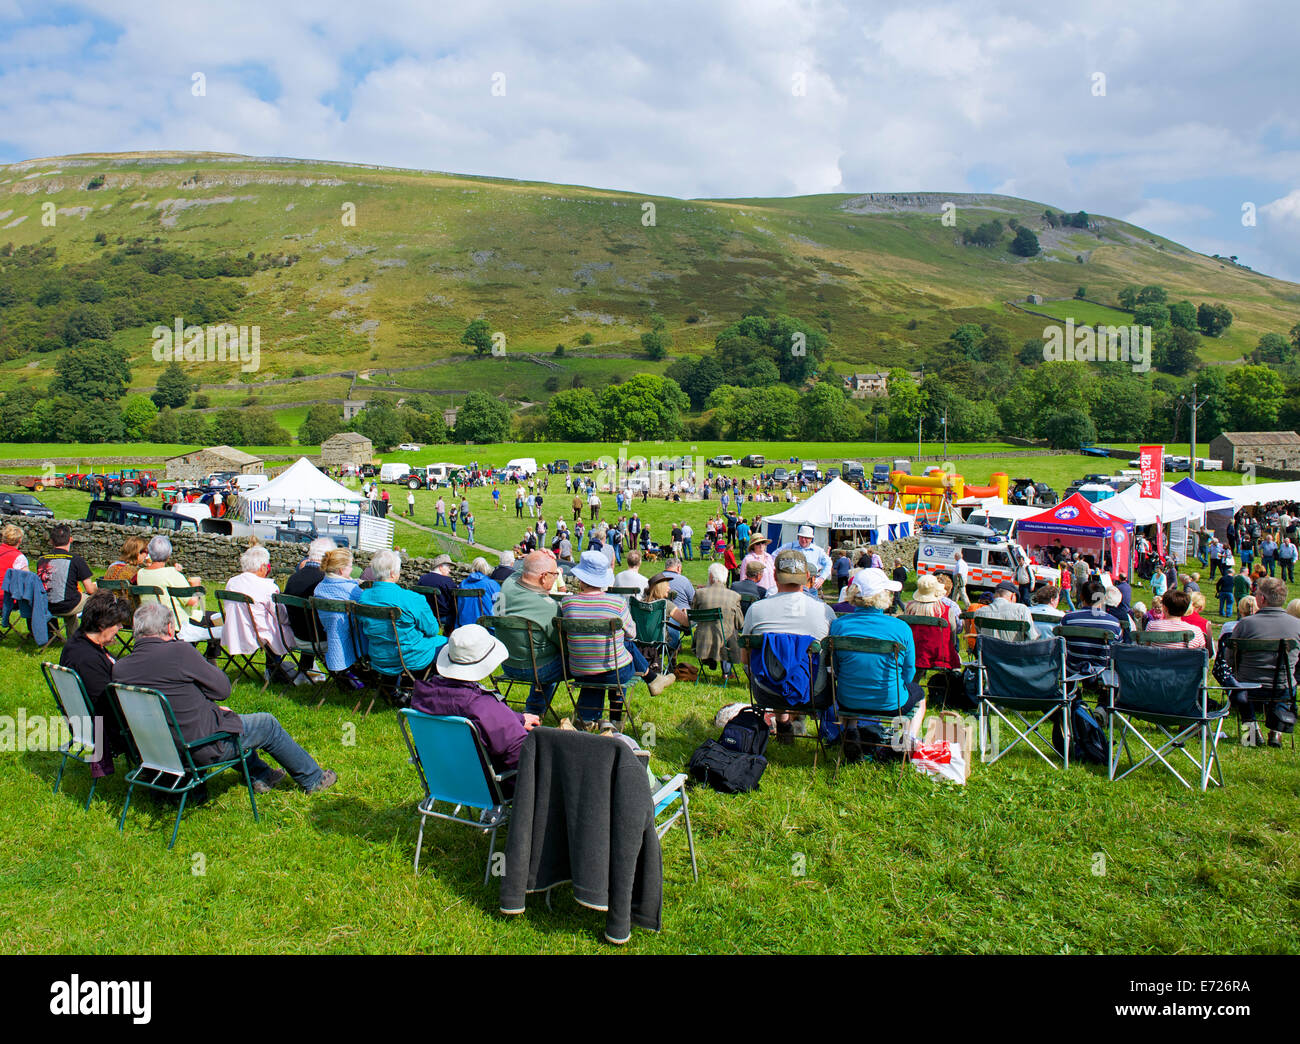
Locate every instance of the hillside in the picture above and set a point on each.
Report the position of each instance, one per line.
(546, 264)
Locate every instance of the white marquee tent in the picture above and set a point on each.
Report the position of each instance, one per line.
(1258, 492)
(1144, 511)
(302, 488)
(838, 506)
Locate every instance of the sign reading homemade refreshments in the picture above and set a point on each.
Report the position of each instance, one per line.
(853, 522)
(1151, 462)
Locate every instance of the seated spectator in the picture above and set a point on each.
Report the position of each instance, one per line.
(264, 625)
(134, 554)
(469, 610)
(340, 645)
(1196, 617)
(791, 611)
(707, 645)
(189, 612)
(303, 584)
(1176, 604)
(868, 683)
(443, 603)
(1293, 607)
(750, 587)
(61, 571)
(11, 540)
(758, 552)
(506, 569)
(1005, 607)
(682, 593)
(1272, 622)
(588, 654)
(1116, 609)
(1047, 603)
(417, 628)
(659, 589)
(194, 688)
(527, 594)
(1096, 615)
(929, 601)
(1246, 607)
(631, 576)
(469, 657)
(87, 653)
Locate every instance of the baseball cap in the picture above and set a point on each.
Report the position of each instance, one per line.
(1007, 585)
(791, 567)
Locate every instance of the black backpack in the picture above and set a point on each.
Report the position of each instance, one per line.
(733, 763)
(1087, 740)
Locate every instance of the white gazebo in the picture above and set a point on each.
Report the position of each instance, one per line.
(303, 498)
(839, 507)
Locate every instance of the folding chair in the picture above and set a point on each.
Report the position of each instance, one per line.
(935, 642)
(609, 629)
(651, 622)
(762, 701)
(893, 727)
(710, 618)
(121, 589)
(389, 614)
(315, 644)
(85, 728)
(435, 597)
(1280, 689)
(350, 648)
(626, 592)
(516, 633)
(1087, 655)
(166, 760)
(1023, 677)
(1169, 689)
(233, 602)
(187, 630)
(475, 600)
(454, 768)
(671, 793)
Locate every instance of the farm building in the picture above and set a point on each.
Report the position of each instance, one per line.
(1266, 449)
(863, 385)
(189, 467)
(347, 447)
(351, 407)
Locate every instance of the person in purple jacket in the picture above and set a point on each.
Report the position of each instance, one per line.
(470, 655)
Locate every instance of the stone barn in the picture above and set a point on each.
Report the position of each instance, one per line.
(1265, 449)
(190, 467)
(347, 447)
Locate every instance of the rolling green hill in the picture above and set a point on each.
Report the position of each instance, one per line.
(390, 295)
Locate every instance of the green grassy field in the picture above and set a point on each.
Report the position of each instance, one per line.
(1023, 859)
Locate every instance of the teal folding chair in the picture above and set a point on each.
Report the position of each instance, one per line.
(672, 803)
(891, 726)
(454, 769)
(711, 618)
(86, 742)
(651, 622)
(167, 763)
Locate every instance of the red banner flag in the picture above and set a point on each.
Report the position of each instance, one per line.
(1151, 460)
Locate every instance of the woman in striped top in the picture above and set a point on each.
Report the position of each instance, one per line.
(589, 655)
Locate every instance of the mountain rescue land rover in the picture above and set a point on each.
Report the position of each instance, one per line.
(989, 558)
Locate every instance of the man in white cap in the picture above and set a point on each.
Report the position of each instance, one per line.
(471, 655)
(819, 562)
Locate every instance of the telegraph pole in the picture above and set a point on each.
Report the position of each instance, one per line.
(945, 433)
(1193, 407)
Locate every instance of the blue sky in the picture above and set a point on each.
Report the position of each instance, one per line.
(728, 98)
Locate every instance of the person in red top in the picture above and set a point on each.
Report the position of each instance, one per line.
(729, 560)
(11, 555)
(1193, 616)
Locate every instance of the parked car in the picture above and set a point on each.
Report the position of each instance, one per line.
(753, 460)
(880, 474)
(558, 467)
(585, 467)
(23, 504)
(832, 473)
(409, 447)
(780, 475)
(129, 513)
(1028, 493)
(722, 460)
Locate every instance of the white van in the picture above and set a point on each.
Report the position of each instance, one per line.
(393, 472)
(1001, 518)
(989, 558)
(248, 483)
(526, 465)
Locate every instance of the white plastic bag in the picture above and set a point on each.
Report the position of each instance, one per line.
(942, 760)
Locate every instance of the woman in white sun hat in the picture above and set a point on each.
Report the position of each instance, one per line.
(469, 657)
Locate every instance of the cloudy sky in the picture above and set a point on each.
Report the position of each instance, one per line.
(1170, 115)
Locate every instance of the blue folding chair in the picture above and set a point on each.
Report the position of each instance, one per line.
(454, 768)
(1023, 678)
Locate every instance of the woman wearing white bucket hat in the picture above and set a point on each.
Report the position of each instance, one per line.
(470, 656)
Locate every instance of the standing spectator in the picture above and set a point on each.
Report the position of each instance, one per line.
(1224, 589)
(688, 534)
(593, 501)
(1268, 553)
(410, 503)
(758, 553)
(1286, 558)
(440, 511)
(899, 576)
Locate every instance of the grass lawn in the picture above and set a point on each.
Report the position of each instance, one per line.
(1022, 859)
(1085, 312)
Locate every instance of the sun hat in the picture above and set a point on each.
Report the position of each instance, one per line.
(791, 567)
(661, 576)
(471, 654)
(928, 589)
(872, 581)
(806, 531)
(594, 569)
(441, 560)
(758, 539)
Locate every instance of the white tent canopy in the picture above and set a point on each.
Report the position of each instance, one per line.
(1143, 511)
(1258, 492)
(300, 487)
(837, 505)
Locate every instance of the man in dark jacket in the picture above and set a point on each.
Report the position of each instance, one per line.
(470, 655)
(506, 569)
(303, 585)
(1271, 622)
(443, 602)
(193, 687)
